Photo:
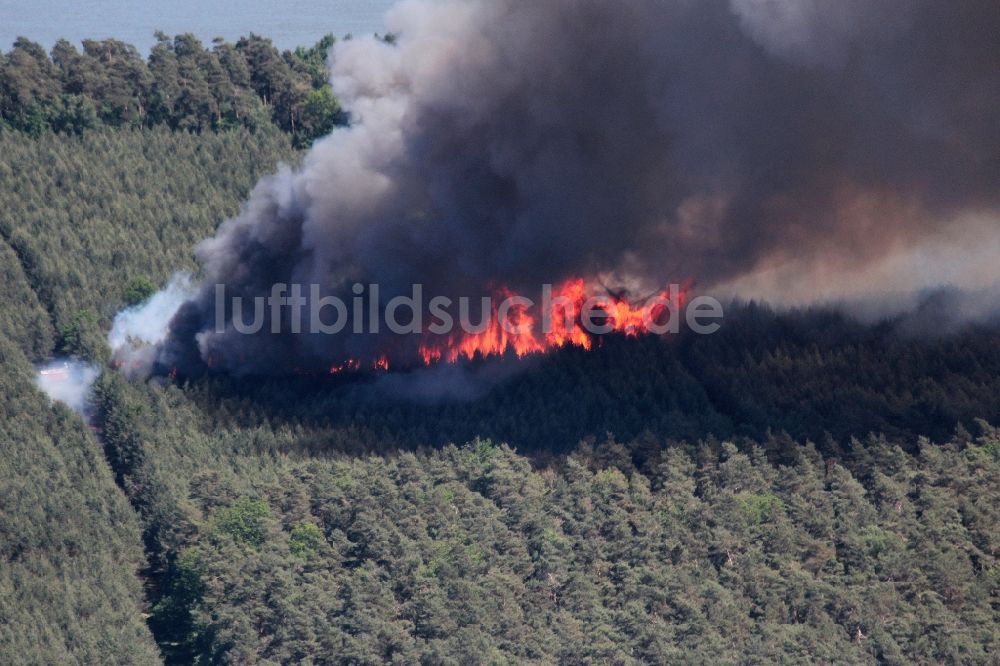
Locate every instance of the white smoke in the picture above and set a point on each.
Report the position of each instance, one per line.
(68, 382)
(961, 256)
(137, 330)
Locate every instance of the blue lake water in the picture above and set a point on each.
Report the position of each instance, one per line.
(289, 24)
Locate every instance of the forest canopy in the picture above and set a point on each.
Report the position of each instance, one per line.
(182, 84)
(798, 488)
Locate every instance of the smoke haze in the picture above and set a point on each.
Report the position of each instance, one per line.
(68, 382)
(137, 331)
(499, 142)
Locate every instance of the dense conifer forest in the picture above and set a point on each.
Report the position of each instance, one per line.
(83, 233)
(183, 85)
(799, 488)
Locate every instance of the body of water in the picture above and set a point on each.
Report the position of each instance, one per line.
(289, 24)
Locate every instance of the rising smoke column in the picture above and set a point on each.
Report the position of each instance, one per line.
(502, 142)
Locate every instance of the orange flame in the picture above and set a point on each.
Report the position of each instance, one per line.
(349, 364)
(353, 364)
(494, 340)
(519, 333)
(521, 338)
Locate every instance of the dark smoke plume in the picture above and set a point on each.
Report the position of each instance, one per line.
(518, 142)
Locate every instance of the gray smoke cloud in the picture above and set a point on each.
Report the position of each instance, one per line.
(516, 143)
